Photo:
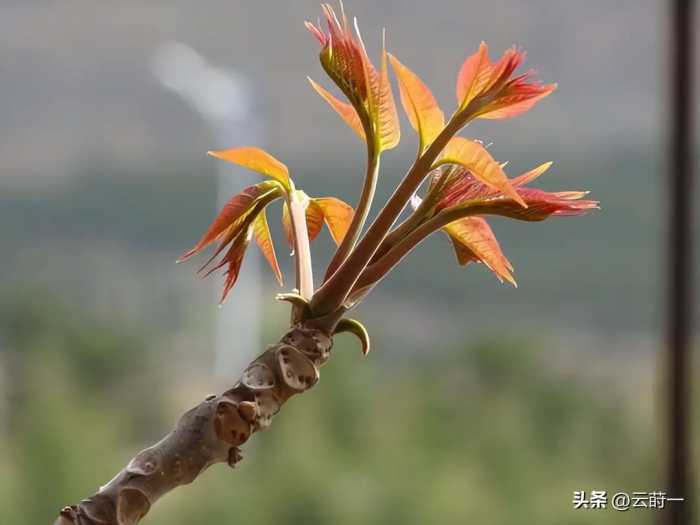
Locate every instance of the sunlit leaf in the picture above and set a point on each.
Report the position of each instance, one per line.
(314, 219)
(420, 105)
(344, 57)
(502, 70)
(341, 55)
(474, 76)
(257, 160)
(473, 156)
(261, 232)
(337, 215)
(540, 205)
(529, 176)
(474, 240)
(516, 98)
(460, 185)
(387, 117)
(346, 111)
(489, 85)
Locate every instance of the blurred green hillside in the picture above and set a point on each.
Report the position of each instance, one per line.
(480, 403)
(493, 430)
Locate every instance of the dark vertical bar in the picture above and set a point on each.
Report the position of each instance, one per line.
(680, 265)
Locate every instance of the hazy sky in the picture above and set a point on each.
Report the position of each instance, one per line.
(78, 85)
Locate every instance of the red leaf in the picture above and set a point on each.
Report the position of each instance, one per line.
(234, 210)
(344, 58)
(541, 205)
(234, 260)
(473, 76)
(516, 98)
(497, 95)
(474, 157)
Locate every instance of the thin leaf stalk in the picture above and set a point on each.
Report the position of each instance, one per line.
(360, 216)
(334, 291)
(423, 212)
(379, 269)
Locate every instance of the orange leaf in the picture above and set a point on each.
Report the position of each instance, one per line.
(341, 56)
(314, 219)
(380, 100)
(500, 95)
(387, 117)
(474, 240)
(344, 57)
(474, 157)
(346, 111)
(420, 105)
(504, 68)
(529, 176)
(261, 231)
(258, 160)
(337, 215)
(474, 76)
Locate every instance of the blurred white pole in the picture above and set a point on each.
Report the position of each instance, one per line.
(225, 100)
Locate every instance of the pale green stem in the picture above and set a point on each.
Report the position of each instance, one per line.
(360, 216)
(302, 251)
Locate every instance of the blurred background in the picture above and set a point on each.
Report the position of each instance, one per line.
(480, 403)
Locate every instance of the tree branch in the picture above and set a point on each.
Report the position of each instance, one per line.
(209, 433)
(425, 209)
(395, 253)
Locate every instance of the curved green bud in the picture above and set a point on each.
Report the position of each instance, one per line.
(356, 328)
(300, 306)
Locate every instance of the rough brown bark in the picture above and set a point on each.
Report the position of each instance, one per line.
(209, 433)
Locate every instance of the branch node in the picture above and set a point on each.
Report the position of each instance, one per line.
(247, 410)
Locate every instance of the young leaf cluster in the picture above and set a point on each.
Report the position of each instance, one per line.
(464, 183)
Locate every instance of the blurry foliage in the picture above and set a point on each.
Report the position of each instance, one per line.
(484, 433)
